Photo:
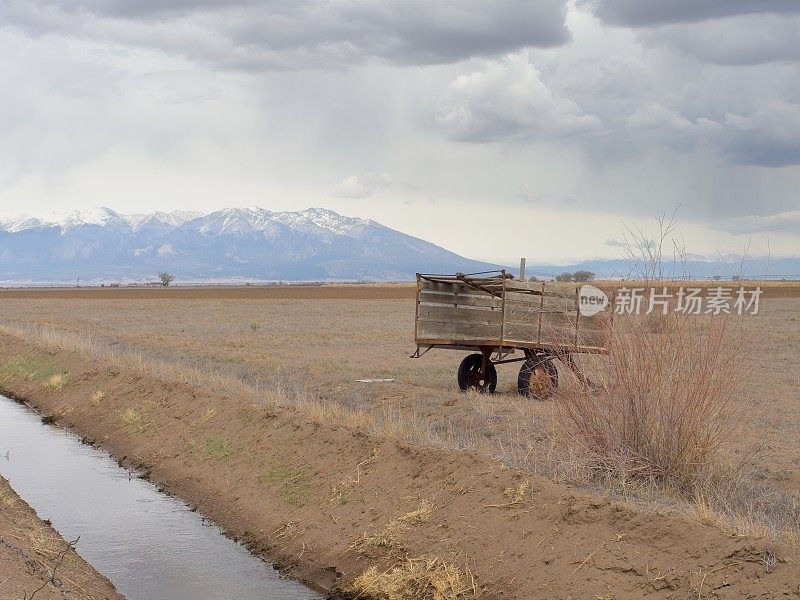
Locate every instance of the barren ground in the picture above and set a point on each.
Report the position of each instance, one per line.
(30, 549)
(317, 341)
(214, 442)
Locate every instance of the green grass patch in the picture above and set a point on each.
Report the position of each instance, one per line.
(293, 483)
(218, 448)
(30, 368)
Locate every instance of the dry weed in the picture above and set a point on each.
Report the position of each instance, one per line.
(56, 382)
(421, 514)
(133, 419)
(7, 500)
(514, 495)
(387, 537)
(207, 415)
(415, 579)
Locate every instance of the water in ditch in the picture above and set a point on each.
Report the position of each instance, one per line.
(151, 546)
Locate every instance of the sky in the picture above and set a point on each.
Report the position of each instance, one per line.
(496, 129)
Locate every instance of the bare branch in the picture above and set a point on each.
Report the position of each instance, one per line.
(59, 559)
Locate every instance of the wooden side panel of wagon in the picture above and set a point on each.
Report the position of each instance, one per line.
(523, 315)
(452, 314)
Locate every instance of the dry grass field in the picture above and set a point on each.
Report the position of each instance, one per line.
(311, 351)
(308, 353)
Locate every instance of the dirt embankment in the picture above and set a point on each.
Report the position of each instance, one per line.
(35, 559)
(326, 502)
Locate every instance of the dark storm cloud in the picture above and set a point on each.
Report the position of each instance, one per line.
(769, 137)
(648, 13)
(250, 35)
(744, 40)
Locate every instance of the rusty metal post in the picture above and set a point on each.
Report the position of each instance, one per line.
(503, 311)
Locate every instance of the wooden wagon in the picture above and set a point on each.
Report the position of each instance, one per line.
(495, 315)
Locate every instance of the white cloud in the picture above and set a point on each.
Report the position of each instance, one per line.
(507, 99)
(359, 187)
(788, 221)
(667, 126)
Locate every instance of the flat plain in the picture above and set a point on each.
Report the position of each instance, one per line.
(317, 342)
(306, 348)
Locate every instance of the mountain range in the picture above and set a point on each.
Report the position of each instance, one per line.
(254, 244)
(235, 244)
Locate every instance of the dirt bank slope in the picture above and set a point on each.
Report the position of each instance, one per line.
(327, 502)
(30, 550)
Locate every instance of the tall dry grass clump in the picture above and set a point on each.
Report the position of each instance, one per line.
(665, 403)
(416, 579)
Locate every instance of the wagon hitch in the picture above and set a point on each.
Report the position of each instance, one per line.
(417, 352)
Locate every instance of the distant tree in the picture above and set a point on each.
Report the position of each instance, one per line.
(576, 277)
(583, 276)
(166, 278)
(533, 279)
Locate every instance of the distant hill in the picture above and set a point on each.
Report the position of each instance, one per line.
(696, 267)
(101, 245)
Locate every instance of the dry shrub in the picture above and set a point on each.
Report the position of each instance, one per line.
(417, 579)
(667, 401)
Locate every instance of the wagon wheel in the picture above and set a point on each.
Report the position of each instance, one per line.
(538, 378)
(471, 377)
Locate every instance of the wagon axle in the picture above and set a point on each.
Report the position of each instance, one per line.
(537, 380)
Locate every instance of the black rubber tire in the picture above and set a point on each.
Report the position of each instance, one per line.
(546, 365)
(469, 375)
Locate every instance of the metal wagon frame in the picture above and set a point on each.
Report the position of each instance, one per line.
(491, 313)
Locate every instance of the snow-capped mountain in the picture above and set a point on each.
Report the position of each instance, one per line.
(236, 243)
(102, 217)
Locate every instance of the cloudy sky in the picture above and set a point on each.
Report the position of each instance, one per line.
(497, 129)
